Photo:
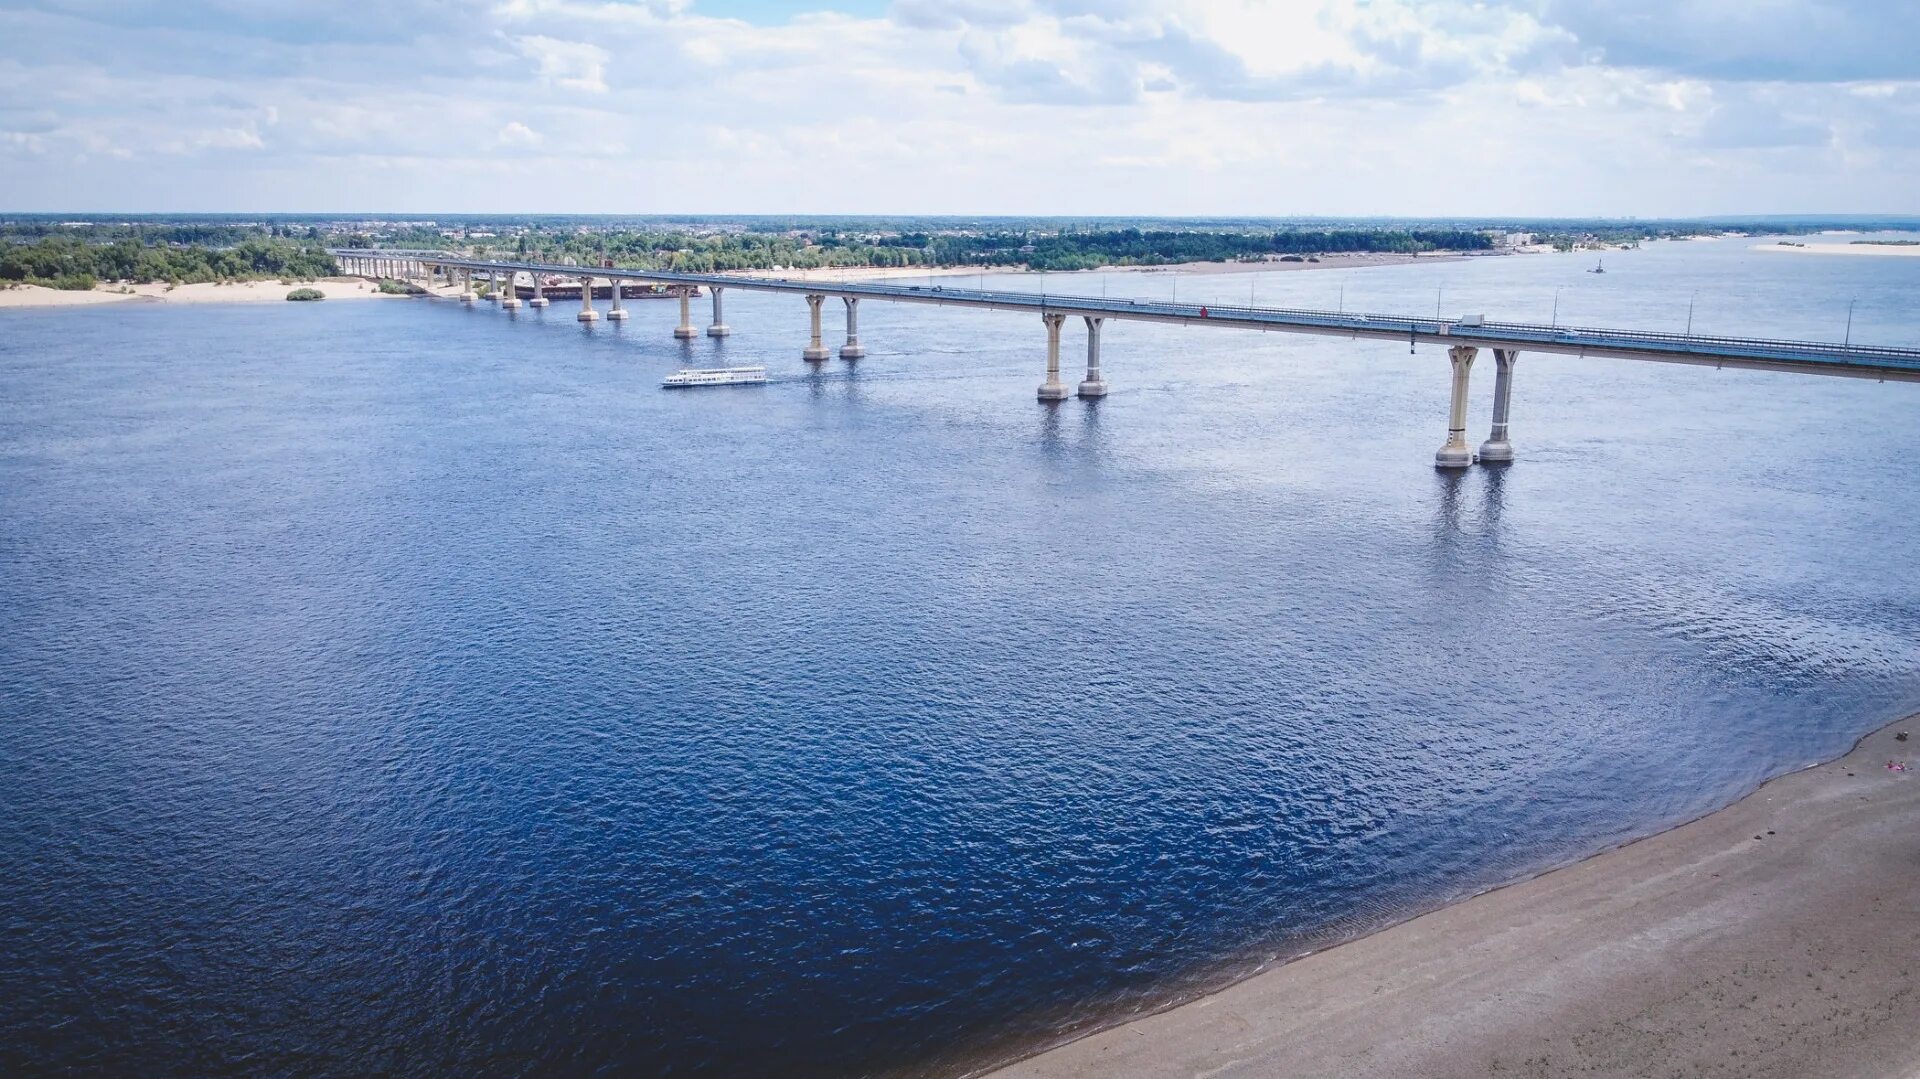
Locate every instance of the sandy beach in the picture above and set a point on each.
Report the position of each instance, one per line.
(335, 288)
(1775, 937)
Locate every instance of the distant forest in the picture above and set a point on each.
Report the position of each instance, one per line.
(77, 257)
(45, 249)
(178, 256)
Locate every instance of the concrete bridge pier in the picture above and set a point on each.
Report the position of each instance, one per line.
(619, 313)
(1053, 389)
(1456, 454)
(719, 326)
(815, 351)
(1094, 385)
(539, 298)
(466, 286)
(587, 313)
(510, 294)
(1496, 449)
(685, 331)
(852, 350)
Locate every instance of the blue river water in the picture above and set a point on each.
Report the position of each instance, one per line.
(398, 687)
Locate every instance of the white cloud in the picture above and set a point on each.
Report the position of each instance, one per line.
(517, 134)
(569, 65)
(1069, 106)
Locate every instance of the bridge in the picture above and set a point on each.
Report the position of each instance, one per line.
(1462, 337)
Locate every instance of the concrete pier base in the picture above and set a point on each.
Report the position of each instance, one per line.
(853, 349)
(1093, 385)
(719, 329)
(618, 314)
(509, 302)
(537, 301)
(815, 351)
(685, 331)
(587, 313)
(1456, 454)
(1053, 389)
(1497, 450)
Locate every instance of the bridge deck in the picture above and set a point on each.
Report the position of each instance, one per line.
(1809, 357)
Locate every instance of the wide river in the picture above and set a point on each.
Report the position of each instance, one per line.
(398, 687)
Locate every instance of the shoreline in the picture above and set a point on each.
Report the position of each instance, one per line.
(1768, 937)
(32, 297)
(1882, 250)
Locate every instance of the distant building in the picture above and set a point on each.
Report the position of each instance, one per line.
(1513, 239)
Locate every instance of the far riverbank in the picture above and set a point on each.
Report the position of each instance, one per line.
(1773, 937)
(1348, 261)
(344, 288)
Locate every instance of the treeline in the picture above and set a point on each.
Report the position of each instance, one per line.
(68, 262)
(1134, 247)
(1031, 250)
(705, 254)
(192, 252)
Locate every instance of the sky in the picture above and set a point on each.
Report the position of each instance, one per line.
(1087, 107)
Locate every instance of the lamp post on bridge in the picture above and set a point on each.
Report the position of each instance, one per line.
(1849, 338)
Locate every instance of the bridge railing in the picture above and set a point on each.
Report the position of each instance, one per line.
(1374, 322)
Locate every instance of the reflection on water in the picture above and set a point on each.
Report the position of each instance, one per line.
(399, 683)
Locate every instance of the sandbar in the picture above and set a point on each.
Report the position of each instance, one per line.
(1778, 937)
(1885, 250)
(335, 288)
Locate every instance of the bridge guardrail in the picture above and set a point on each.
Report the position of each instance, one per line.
(1597, 337)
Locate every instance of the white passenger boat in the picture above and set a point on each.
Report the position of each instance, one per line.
(716, 376)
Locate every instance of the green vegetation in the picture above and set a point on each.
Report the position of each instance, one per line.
(56, 258)
(399, 288)
(45, 249)
(306, 294)
(1067, 249)
(1887, 243)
